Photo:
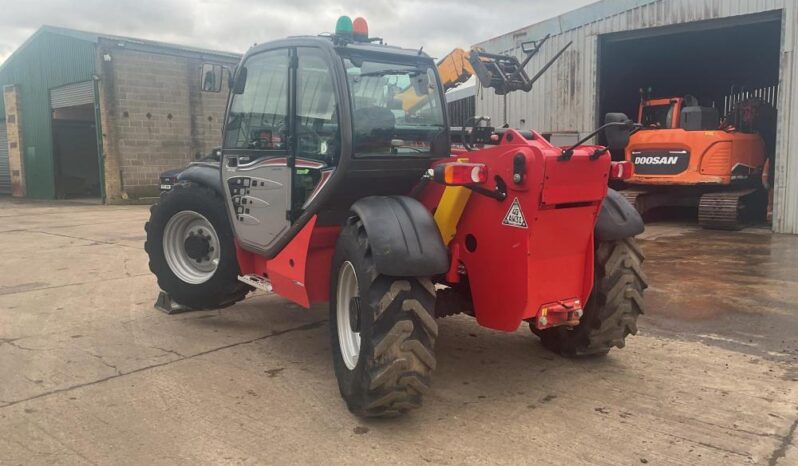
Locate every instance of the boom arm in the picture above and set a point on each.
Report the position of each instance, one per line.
(504, 73)
(455, 68)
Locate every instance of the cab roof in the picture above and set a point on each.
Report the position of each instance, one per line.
(331, 42)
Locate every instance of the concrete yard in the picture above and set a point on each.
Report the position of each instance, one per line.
(91, 373)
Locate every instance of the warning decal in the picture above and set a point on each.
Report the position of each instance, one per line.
(515, 217)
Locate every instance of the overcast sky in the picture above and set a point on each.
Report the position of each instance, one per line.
(234, 25)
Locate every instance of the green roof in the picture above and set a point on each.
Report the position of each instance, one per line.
(95, 37)
(53, 57)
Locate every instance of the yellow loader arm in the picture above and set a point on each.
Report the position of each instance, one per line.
(453, 69)
(503, 73)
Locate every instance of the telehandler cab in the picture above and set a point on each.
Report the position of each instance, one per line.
(330, 191)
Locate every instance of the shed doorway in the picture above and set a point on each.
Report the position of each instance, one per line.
(75, 151)
(717, 63)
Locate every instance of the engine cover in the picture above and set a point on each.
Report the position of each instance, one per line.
(660, 162)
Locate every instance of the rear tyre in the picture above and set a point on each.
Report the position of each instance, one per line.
(613, 307)
(191, 248)
(382, 328)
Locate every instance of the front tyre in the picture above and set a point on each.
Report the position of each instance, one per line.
(613, 307)
(191, 248)
(382, 328)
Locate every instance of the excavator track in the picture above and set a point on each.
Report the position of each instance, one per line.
(632, 195)
(724, 210)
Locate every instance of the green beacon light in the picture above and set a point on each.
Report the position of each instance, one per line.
(343, 27)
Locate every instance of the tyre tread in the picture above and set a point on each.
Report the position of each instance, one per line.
(613, 308)
(402, 342)
(214, 294)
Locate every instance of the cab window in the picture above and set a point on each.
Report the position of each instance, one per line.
(660, 116)
(396, 109)
(317, 110)
(258, 117)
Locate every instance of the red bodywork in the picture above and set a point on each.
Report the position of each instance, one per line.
(514, 272)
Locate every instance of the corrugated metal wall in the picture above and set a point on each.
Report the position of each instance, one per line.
(460, 111)
(47, 61)
(786, 192)
(566, 99)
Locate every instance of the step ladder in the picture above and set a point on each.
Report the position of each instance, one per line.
(256, 281)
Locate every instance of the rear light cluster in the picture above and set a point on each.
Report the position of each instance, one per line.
(562, 313)
(621, 170)
(460, 174)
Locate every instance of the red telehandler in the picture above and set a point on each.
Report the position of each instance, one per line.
(330, 190)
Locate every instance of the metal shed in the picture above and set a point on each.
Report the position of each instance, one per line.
(45, 61)
(99, 116)
(570, 97)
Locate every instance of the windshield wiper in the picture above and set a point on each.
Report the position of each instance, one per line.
(408, 147)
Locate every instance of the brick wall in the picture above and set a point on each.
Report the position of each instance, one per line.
(154, 115)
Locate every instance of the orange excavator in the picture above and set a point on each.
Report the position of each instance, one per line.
(683, 156)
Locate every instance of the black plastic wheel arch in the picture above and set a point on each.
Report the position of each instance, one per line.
(403, 236)
(205, 175)
(618, 219)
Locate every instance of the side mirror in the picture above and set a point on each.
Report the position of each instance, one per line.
(230, 79)
(618, 132)
(240, 81)
(211, 77)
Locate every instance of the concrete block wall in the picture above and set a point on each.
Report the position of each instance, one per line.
(154, 116)
(13, 117)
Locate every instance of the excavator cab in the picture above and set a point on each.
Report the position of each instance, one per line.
(660, 113)
(677, 112)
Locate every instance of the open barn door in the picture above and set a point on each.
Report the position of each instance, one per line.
(75, 153)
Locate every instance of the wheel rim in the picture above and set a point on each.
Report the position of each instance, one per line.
(348, 339)
(191, 247)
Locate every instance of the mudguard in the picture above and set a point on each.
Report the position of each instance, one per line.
(617, 219)
(404, 239)
(204, 173)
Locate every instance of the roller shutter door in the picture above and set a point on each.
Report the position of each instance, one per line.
(72, 95)
(5, 176)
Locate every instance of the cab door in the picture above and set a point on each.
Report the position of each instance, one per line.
(257, 158)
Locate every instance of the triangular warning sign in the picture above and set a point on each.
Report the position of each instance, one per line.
(515, 217)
